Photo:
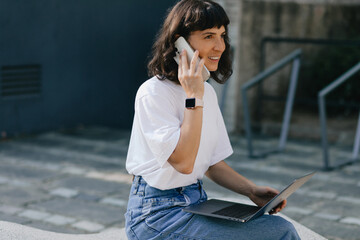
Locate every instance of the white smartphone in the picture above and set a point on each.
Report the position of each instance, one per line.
(180, 45)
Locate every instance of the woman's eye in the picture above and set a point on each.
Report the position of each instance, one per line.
(208, 37)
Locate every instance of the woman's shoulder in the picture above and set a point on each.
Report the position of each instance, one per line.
(209, 88)
(155, 86)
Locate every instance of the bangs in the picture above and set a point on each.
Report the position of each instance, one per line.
(205, 16)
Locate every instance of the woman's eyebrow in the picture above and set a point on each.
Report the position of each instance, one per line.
(212, 33)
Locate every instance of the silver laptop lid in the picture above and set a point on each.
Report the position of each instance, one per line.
(284, 194)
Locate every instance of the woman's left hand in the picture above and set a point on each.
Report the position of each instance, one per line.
(262, 195)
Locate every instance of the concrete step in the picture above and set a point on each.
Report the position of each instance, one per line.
(14, 231)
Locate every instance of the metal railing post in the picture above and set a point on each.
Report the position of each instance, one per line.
(293, 57)
(289, 103)
(322, 110)
(357, 141)
(324, 136)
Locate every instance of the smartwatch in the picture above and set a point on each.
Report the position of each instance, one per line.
(192, 103)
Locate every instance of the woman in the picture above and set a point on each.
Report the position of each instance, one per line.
(173, 146)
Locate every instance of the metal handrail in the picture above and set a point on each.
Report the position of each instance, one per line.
(292, 57)
(322, 111)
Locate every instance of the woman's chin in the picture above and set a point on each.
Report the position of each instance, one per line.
(212, 68)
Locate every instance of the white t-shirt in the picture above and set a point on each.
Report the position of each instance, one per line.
(159, 113)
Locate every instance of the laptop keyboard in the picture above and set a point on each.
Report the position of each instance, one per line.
(237, 211)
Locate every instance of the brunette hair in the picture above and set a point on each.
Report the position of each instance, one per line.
(185, 17)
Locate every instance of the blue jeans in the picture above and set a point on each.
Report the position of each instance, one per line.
(157, 214)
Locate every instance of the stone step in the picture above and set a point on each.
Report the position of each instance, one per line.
(14, 231)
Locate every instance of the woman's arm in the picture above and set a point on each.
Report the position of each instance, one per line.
(225, 176)
(190, 77)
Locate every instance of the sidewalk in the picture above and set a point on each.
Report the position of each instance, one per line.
(75, 182)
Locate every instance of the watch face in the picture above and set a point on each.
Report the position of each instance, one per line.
(190, 103)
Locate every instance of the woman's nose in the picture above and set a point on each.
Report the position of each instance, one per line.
(220, 45)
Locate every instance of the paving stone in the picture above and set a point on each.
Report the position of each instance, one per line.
(102, 147)
(19, 183)
(41, 155)
(327, 216)
(15, 219)
(340, 189)
(104, 214)
(38, 165)
(343, 181)
(343, 209)
(21, 173)
(298, 210)
(88, 226)
(3, 180)
(114, 201)
(87, 197)
(17, 196)
(322, 176)
(349, 200)
(52, 167)
(318, 194)
(74, 170)
(333, 230)
(10, 209)
(12, 152)
(353, 168)
(34, 214)
(64, 192)
(55, 228)
(64, 149)
(88, 185)
(351, 220)
(59, 220)
(112, 229)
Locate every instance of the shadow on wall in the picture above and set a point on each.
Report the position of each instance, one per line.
(91, 55)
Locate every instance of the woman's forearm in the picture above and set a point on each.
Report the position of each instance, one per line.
(225, 176)
(184, 155)
(190, 78)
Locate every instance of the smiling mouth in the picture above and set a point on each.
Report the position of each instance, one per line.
(214, 58)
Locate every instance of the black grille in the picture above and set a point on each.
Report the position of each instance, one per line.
(21, 81)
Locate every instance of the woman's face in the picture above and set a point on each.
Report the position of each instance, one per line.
(210, 44)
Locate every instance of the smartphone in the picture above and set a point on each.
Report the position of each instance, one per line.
(180, 45)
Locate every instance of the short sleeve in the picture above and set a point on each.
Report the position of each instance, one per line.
(223, 148)
(159, 124)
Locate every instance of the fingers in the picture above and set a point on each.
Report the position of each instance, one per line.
(195, 67)
(180, 66)
(278, 208)
(184, 61)
(200, 67)
(193, 62)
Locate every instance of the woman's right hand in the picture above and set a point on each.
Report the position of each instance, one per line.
(190, 77)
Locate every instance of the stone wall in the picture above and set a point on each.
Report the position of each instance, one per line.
(253, 20)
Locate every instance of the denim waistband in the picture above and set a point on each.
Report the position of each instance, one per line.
(139, 180)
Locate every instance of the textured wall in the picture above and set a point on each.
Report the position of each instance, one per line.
(257, 19)
(93, 57)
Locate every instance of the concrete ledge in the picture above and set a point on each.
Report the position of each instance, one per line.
(14, 231)
(304, 232)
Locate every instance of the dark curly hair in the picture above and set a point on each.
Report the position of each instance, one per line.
(185, 17)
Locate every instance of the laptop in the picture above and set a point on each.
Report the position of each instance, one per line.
(243, 212)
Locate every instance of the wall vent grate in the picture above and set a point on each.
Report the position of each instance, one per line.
(20, 81)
